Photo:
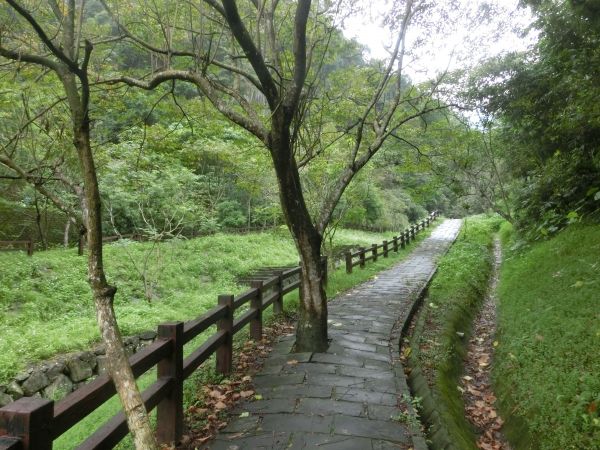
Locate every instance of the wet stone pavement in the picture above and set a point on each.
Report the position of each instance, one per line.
(346, 398)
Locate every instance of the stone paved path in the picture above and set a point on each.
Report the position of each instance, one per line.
(346, 398)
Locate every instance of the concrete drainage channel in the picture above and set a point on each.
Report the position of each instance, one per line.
(435, 413)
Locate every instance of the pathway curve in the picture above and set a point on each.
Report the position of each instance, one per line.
(348, 397)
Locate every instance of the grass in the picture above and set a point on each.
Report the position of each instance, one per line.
(46, 306)
(436, 348)
(222, 258)
(547, 362)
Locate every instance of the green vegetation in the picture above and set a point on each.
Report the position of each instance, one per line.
(438, 344)
(46, 302)
(542, 109)
(547, 363)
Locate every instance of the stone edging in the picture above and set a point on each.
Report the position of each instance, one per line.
(398, 334)
(56, 378)
(416, 380)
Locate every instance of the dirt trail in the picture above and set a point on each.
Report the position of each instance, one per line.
(475, 384)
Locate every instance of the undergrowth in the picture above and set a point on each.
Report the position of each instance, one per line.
(547, 362)
(46, 305)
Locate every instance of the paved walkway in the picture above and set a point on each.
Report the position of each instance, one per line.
(348, 397)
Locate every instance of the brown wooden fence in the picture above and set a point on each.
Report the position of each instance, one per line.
(359, 258)
(34, 423)
(17, 245)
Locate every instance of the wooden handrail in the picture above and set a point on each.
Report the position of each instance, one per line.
(395, 243)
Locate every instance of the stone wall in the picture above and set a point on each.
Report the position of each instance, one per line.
(60, 376)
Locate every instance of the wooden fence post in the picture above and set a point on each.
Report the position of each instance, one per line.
(278, 303)
(402, 240)
(385, 249)
(30, 420)
(169, 412)
(348, 262)
(374, 251)
(407, 235)
(412, 232)
(423, 224)
(29, 247)
(80, 244)
(362, 256)
(395, 243)
(225, 351)
(428, 222)
(256, 303)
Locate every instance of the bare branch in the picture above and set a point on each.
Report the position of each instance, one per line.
(250, 124)
(241, 34)
(34, 181)
(72, 65)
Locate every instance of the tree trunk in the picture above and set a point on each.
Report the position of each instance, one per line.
(38, 223)
(311, 334)
(66, 233)
(120, 370)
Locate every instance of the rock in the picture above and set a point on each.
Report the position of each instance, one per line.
(102, 365)
(36, 382)
(88, 357)
(132, 340)
(148, 335)
(100, 350)
(79, 369)
(55, 369)
(14, 390)
(5, 399)
(144, 343)
(20, 377)
(59, 388)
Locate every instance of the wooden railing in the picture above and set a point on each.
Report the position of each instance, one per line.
(359, 258)
(34, 423)
(17, 245)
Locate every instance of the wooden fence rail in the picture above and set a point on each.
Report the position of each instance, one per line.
(34, 423)
(359, 258)
(17, 245)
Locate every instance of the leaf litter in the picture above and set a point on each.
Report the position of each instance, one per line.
(475, 385)
(213, 402)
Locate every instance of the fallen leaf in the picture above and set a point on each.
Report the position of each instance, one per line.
(246, 394)
(592, 408)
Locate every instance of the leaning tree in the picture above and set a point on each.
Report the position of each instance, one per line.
(262, 64)
(51, 37)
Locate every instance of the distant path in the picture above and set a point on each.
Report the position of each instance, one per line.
(348, 397)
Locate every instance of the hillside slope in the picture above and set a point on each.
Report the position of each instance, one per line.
(547, 361)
